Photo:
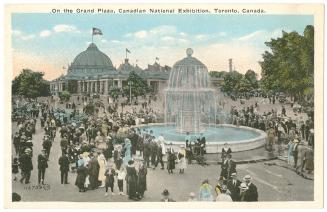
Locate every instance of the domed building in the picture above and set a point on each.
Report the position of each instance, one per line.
(92, 72)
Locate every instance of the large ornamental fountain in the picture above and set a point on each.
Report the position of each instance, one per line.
(190, 107)
(189, 100)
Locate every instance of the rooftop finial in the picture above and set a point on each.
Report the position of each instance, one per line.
(189, 52)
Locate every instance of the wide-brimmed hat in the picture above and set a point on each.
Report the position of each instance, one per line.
(85, 154)
(224, 188)
(221, 178)
(243, 186)
(165, 192)
(247, 177)
(296, 140)
(28, 150)
(233, 174)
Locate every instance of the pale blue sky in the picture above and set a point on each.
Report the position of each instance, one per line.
(57, 38)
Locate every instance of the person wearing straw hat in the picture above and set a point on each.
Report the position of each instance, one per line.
(252, 190)
(224, 197)
(165, 196)
(233, 186)
(244, 197)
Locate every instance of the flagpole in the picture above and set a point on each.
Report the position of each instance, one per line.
(126, 53)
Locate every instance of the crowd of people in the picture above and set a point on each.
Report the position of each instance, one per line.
(109, 149)
(284, 133)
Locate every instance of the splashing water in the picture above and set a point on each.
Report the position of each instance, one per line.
(190, 103)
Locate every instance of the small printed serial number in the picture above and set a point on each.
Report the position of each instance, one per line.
(45, 187)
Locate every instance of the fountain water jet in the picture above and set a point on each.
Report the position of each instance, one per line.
(190, 106)
(190, 102)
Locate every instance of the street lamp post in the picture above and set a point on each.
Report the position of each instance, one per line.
(130, 83)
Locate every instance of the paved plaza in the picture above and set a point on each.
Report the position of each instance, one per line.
(275, 182)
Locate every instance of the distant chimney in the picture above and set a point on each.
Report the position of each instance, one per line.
(230, 61)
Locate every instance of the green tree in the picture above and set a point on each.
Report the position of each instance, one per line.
(64, 96)
(30, 84)
(251, 79)
(139, 86)
(218, 74)
(114, 93)
(288, 66)
(232, 81)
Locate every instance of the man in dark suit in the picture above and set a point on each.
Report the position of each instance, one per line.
(47, 144)
(252, 189)
(233, 186)
(224, 168)
(231, 166)
(64, 168)
(64, 144)
(42, 164)
(26, 166)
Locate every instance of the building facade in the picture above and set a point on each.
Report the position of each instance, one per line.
(92, 72)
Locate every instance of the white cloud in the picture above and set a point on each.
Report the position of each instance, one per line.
(201, 37)
(168, 39)
(104, 41)
(128, 35)
(21, 35)
(184, 41)
(222, 34)
(115, 41)
(16, 32)
(60, 28)
(65, 28)
(163, 30)
(45, 33)
(141, 34)
(183, 34)
(252, 35)
(28, 37)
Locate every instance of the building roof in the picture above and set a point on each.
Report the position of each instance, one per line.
(91, 61)
(93, 64)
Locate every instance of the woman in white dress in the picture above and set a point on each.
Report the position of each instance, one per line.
(182, 159)
(103, 164)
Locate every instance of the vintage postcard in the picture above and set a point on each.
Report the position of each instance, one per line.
(164, 105)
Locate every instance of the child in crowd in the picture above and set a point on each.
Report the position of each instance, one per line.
(110, 179)
(121, 174)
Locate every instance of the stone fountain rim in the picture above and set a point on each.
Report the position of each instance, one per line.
(262, 135)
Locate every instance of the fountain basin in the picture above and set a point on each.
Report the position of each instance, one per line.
(238, 138)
